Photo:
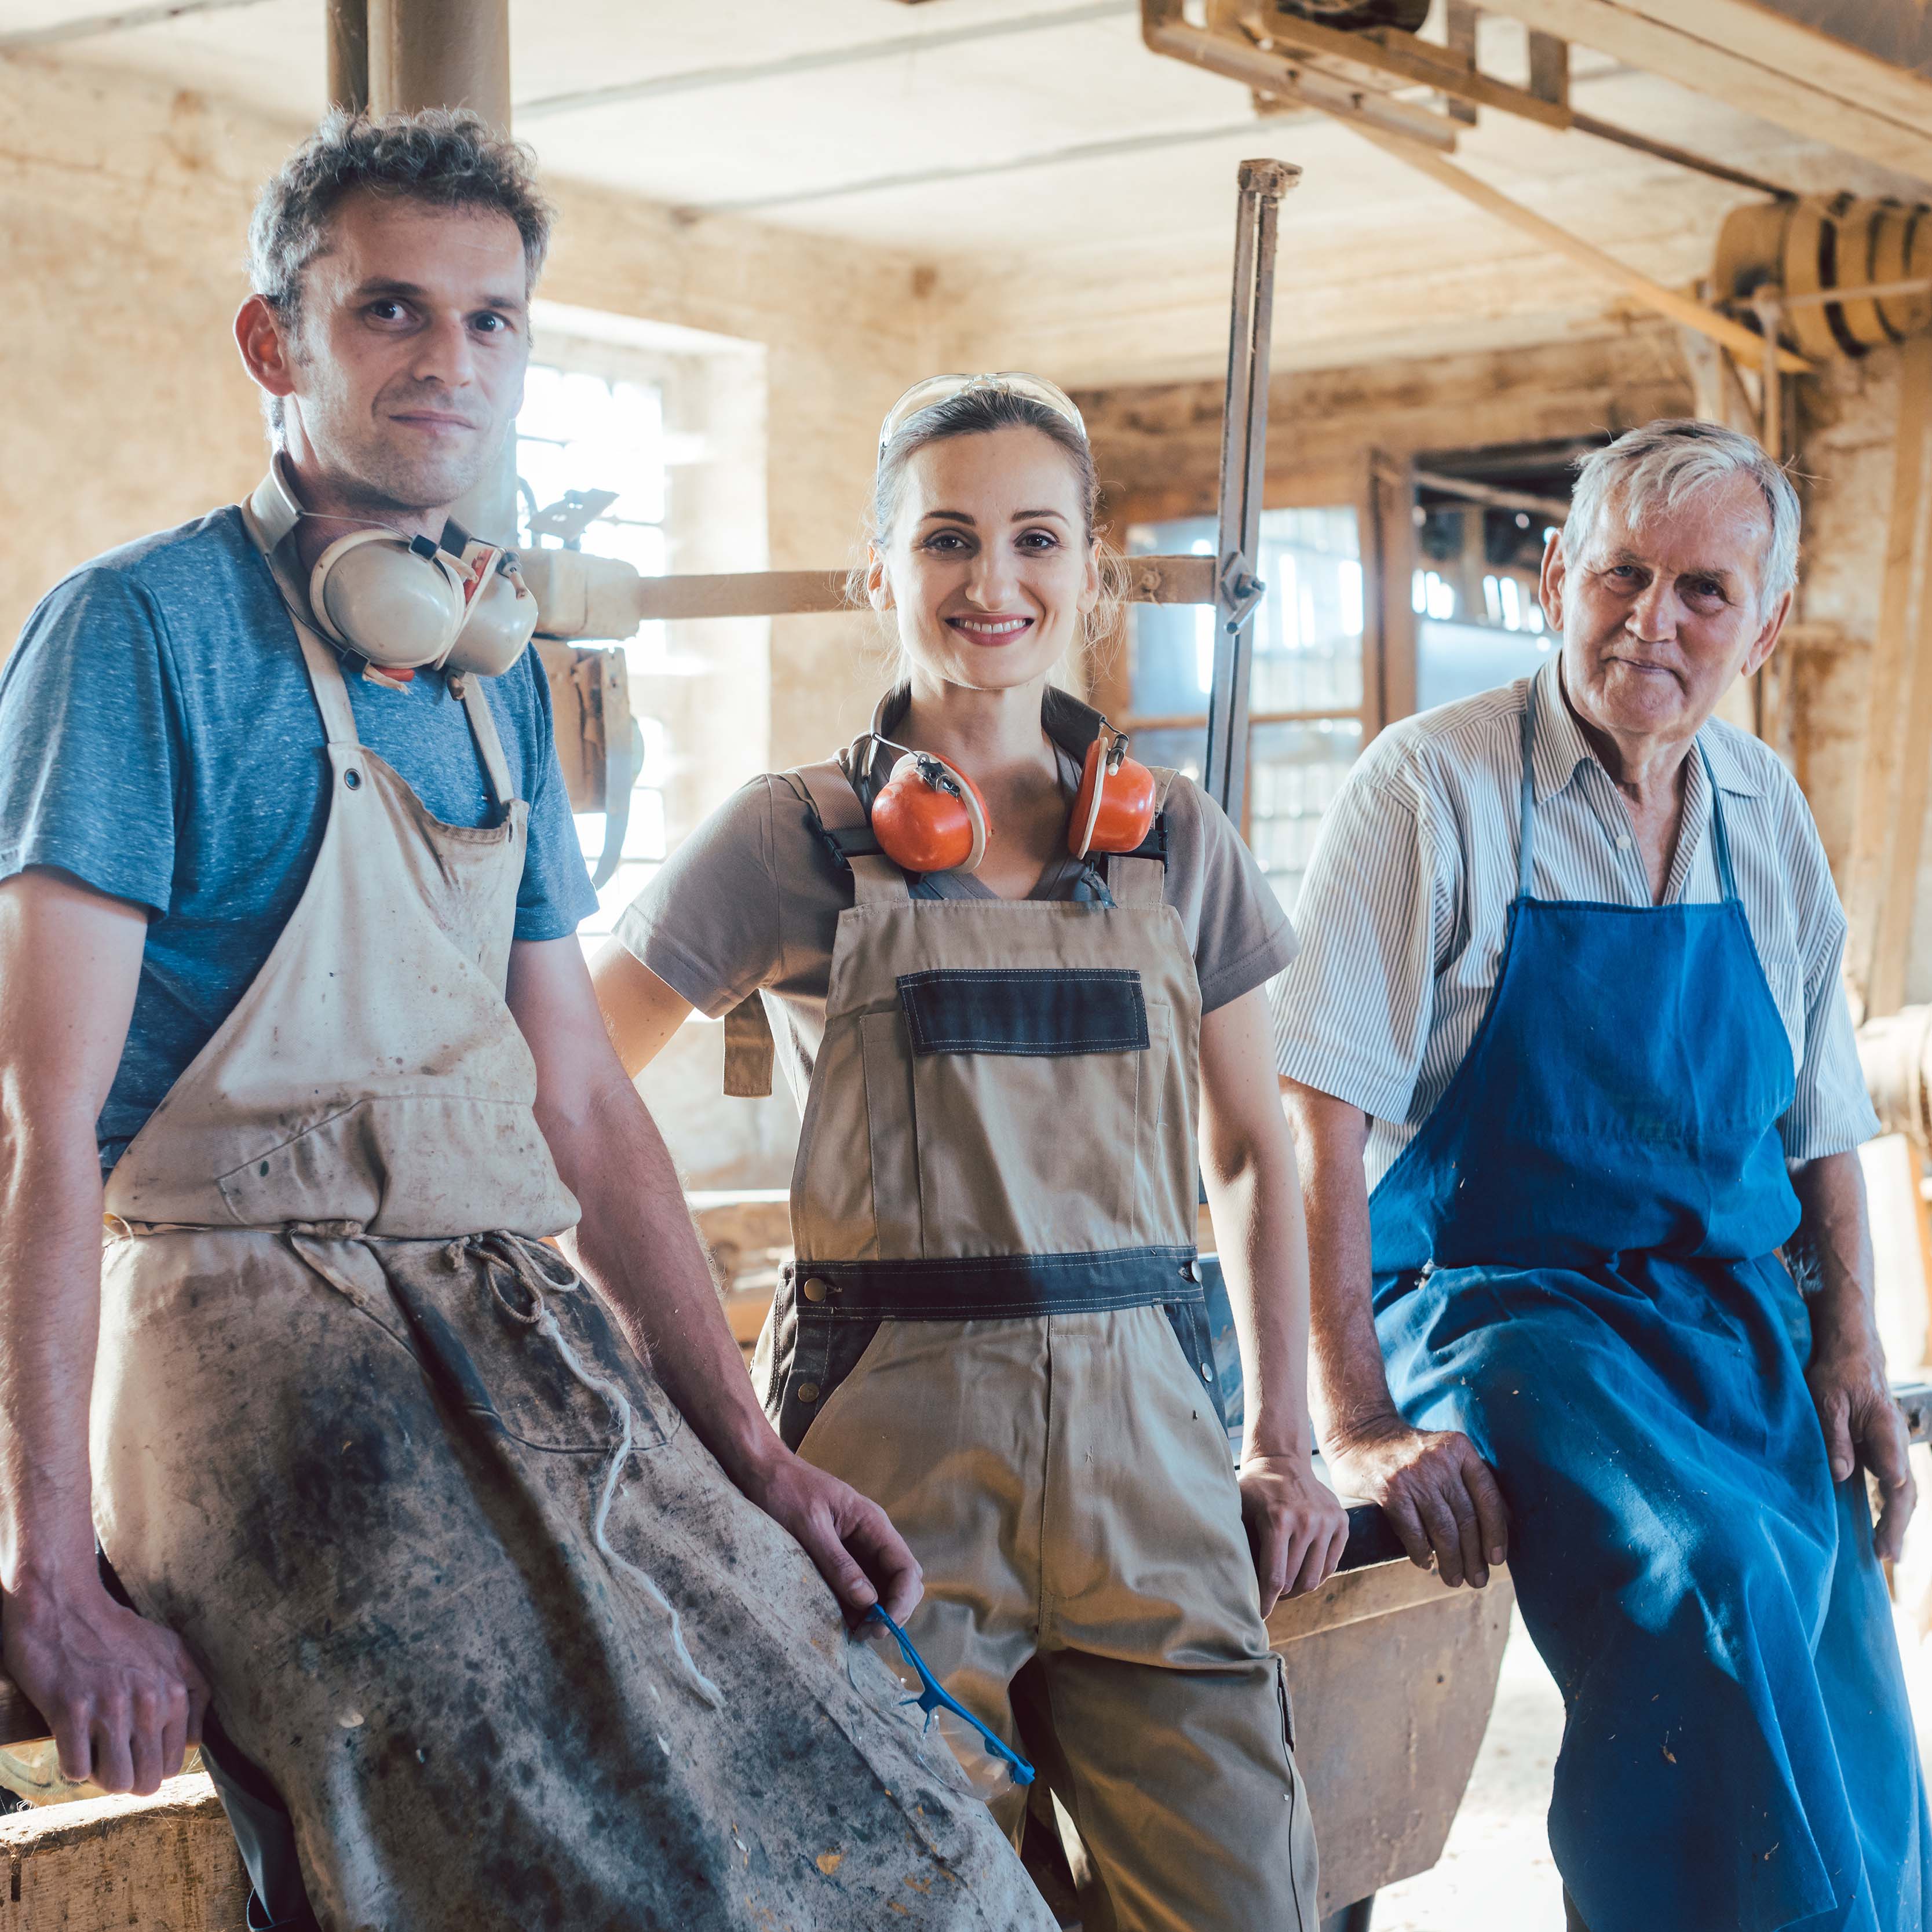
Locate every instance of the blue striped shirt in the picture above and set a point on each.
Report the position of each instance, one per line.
(1403, 914)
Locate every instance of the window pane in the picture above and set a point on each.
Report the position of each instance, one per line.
(1454, 660)
(1294, 772)
(1308, 628)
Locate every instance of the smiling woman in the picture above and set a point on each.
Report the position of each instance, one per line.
(1015, 1045)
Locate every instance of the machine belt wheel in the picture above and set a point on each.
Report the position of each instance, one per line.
(1354, 16)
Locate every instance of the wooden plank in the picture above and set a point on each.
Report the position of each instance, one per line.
(1816, 99)
(1389, 1715)
(1881, 871)
(1820, 59)
(163, 1864)
(1679, 307)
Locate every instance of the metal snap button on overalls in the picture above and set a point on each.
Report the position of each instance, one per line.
(816, 1290)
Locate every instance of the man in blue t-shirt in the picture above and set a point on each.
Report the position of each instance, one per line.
(171, 734)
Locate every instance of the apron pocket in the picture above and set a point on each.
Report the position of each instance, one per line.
(1047, 1011)
(513, 1380)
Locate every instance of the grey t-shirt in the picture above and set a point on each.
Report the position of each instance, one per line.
(751, 900)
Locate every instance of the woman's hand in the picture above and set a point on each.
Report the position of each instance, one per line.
(1297, 1526)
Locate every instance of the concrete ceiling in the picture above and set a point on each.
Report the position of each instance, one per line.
(1076, 189)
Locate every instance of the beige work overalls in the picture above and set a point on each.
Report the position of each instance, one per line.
(994, 1327)
(414, 1505)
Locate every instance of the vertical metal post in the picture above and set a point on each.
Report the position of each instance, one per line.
(1244, 452)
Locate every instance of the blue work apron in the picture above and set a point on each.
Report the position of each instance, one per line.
(1576, 1266)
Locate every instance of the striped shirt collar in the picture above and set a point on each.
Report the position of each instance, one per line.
(1560, 746)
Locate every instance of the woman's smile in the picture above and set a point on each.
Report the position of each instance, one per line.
(989, 628)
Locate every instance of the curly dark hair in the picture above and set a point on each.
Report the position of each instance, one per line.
(448, 158)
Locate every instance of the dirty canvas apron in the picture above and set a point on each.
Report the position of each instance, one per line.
(382, 1461)
(994, 1327)
(1576, 1267)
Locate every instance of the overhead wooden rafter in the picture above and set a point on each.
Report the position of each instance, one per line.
(1355, 76)
(1759, 62)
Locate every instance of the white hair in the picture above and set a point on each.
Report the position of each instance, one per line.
(1656, 466)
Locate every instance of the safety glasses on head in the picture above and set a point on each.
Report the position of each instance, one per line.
(937, 389)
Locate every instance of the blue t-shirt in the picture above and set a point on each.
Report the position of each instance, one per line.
(159, 741)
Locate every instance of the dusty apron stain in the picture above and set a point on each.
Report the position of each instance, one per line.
(340, 1445)
(995, 1327)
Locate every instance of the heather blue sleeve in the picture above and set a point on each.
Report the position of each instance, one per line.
(556, 892)
(90, 745)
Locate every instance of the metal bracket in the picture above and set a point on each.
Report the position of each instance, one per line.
(1237, 589)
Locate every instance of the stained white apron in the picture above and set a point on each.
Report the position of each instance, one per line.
(385, 1463)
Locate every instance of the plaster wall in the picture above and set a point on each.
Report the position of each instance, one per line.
(124, 205)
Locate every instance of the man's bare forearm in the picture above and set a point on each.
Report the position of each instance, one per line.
(636, 1245)
(1833, 1247)
(1349, 1388)
(50, 1319)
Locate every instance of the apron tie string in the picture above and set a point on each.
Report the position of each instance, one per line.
(532, 1264)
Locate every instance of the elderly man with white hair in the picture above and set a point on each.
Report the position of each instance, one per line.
(1577, 1102)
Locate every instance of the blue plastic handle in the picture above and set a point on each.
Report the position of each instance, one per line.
(934, 1697)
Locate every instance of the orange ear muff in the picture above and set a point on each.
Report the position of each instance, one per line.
(929, 817)
(1113, 811)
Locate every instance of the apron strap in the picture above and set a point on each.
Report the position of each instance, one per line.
(1525, 847)
(876, 880)
(1142, 882)
(489, 743)
(1720, 842)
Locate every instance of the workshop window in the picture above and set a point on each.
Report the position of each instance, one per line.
(580, 430)
(1305, 691)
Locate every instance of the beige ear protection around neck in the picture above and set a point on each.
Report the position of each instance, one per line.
(404, 603)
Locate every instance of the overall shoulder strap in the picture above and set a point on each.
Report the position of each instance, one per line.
(1139, 877)
(876, 880)
(483, 728)
(1720, 841)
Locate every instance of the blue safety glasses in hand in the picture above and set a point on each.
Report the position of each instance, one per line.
(992, 1767)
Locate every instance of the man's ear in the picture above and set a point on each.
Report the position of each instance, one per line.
(266, 351)
(878, 585)
(1550, 580)
(1766, 640)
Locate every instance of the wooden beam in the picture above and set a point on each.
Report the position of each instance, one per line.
(792, 593)
(1460, 34)
(1277, 75)
(1748, 57)
(1887, 827)
(1549, 68)
(1399, 59)
(1668, 301)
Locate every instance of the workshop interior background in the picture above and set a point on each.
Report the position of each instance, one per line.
(774, 216)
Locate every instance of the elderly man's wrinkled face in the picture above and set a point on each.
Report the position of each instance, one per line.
(1663, 610)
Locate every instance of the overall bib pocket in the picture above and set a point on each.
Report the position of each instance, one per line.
(1034, 1078)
